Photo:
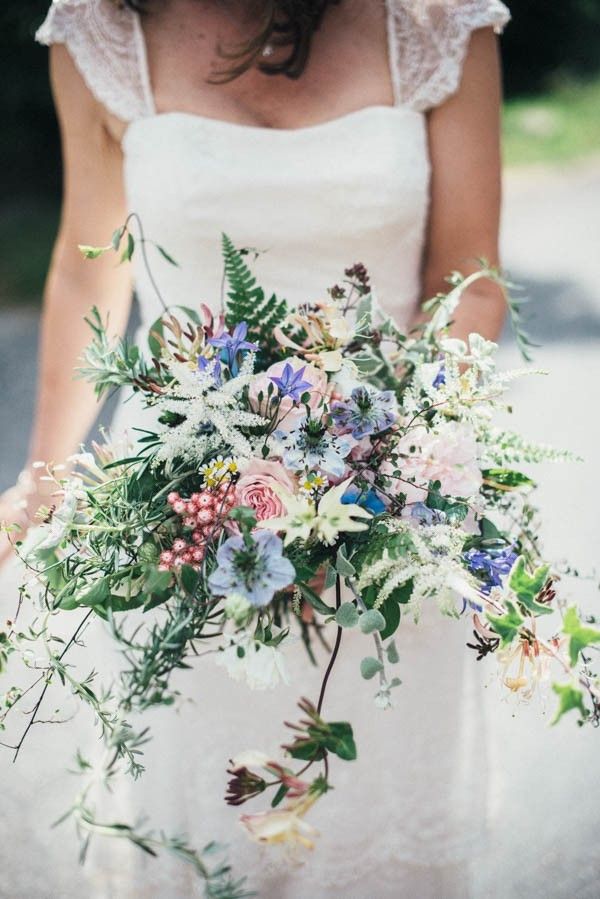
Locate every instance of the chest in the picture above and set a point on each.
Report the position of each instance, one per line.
(348, 67)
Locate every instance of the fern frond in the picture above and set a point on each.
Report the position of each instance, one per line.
(246, 301)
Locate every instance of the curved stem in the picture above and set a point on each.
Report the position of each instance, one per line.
(336, 647)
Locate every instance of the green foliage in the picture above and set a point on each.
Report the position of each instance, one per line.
(527, 587)
(506, 479)
(569, 698)
(322, 737)
(579, 635)
(507, 626)
(369, 667)
(372, 620)
(246, 301)
(347, 615)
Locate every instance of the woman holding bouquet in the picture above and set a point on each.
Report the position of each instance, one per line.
(324, 132)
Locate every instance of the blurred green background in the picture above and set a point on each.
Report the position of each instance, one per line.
(551, 55)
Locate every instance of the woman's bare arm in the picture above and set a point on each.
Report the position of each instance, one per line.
(464, 144)
(93, 206)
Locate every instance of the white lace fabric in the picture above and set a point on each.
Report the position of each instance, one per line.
(427, 41)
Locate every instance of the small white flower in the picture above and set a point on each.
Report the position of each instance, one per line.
(245, 659)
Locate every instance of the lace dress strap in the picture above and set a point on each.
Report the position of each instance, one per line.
(107, 45)
(428, 44)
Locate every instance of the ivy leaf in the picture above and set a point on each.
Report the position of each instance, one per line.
(569, 697)
(581, 636)
(507, 626)
(528, 586)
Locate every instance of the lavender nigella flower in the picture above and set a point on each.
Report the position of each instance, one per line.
(310, 446)
(291, 384)
(424, 515)
(494, 565)
(253, 569)
(368, 411)
(232, 344)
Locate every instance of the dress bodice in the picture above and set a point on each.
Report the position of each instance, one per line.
(317, 199)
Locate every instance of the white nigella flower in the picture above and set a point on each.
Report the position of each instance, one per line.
(245, 659)
(213, 413)
(49, 536)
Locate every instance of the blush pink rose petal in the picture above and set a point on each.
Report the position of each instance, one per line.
(255, 489)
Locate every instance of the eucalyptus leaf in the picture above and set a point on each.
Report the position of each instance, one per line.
(369, 667)
(347, 615)
(372, 620)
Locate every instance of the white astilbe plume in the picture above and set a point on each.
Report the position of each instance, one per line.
(433, 564)
(195, 395)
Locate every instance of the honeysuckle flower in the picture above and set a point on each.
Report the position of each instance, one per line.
(525, 665)
(310, 445)
(245, 659)
(50, 535)
(368, 411)
(326, 521)
(285, 825)
(254, 567)
(232, 345)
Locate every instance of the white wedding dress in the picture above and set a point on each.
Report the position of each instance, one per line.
(408, 819)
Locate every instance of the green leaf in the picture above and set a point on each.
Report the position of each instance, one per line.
(347, 615)
(580, 635)
(528, 586)
(116, 238)
(369, 667)
(391, 612)
(189, 579)
(569, 697)
(506, 479)
(507, 626)
(129, 248)
(96, 595)
(343, 566)
(392, 653)
(372, 620)
(166, 255)
(93, 252)
(314, 600)
(157, 580)
(340, 740)
(279, 796)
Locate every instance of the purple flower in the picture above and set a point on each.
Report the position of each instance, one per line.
(290, 383)
(368, 411)
(255, 568)
(493, 565)
(232, 344)
(440, 378)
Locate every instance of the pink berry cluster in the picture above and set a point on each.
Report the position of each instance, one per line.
(201, 514)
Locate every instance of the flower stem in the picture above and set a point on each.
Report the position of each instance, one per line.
(336, 647)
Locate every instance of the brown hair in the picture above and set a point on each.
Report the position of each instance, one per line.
(280, 23)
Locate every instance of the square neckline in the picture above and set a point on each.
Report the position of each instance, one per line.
(392, 57)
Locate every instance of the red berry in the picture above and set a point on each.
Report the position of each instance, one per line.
(179, 545)
(205, 500)
(173, 497)
(189, 521)
(179, 507)
(198, 536)
(197, 553)
(205, 516)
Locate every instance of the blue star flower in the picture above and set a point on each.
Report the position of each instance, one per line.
(232, 344)
(369, 499)
(290, 383)
(254, 569)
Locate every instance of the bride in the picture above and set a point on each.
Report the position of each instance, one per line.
(324, 132)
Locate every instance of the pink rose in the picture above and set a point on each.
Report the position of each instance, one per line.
(255, 489)
(289, 413)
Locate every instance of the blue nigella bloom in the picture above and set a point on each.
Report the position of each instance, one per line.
(205, 364)
(255, 569)
(368, 411)
(310, 446)
(290, 383)
(424, 515)
(494, 565)
(232, 344)
(369, 500)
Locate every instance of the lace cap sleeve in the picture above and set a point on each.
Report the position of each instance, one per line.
(428, 43)
(107, 46)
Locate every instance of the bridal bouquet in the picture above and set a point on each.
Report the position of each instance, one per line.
(299, 468)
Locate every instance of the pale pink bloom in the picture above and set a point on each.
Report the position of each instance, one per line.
(448, 455)
(255, 489)
(288, 413)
